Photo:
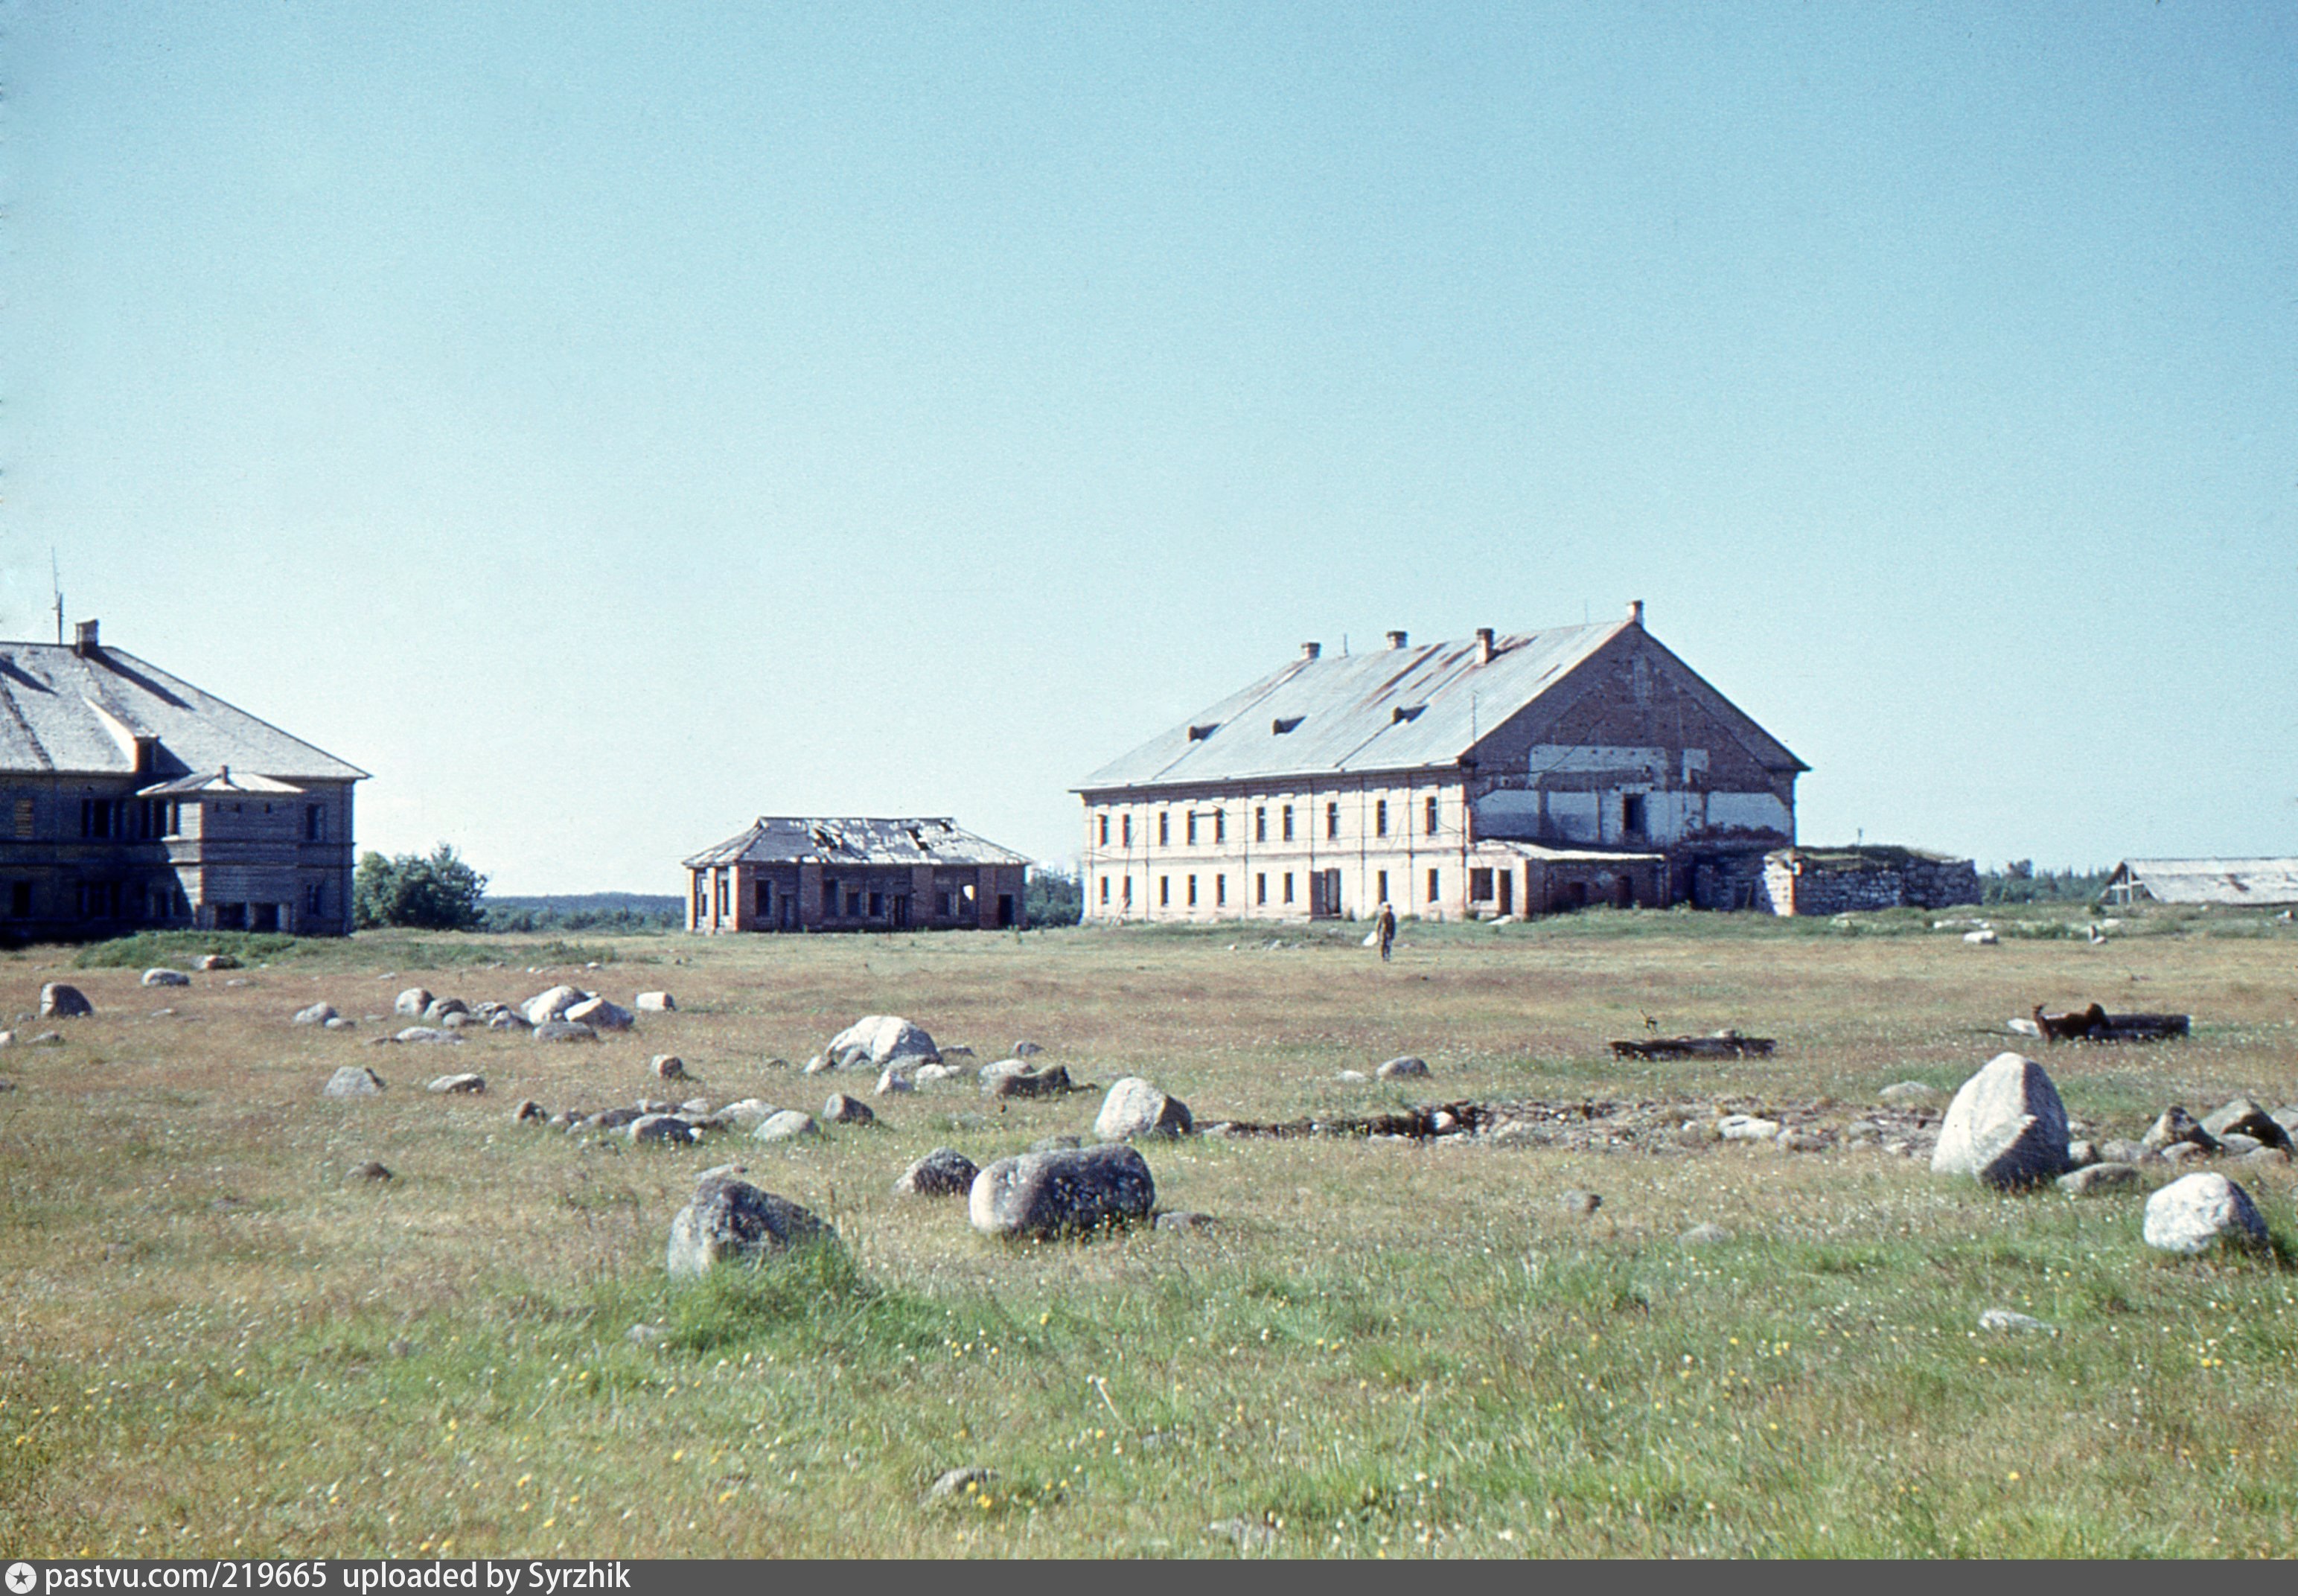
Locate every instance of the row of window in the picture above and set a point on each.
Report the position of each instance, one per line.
(145, 820)
(158, 900)
(1260, 889)
(715, 895)
(1430, 824)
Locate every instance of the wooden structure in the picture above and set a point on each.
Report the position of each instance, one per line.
(130, 799)
(1502, 775)
(795, 873)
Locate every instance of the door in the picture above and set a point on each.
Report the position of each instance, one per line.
(1508, 891)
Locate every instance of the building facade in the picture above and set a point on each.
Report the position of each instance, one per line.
(792, 873)
(130, 799)
(1515, 774)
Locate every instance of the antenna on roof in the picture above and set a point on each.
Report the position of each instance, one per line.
(57, 581)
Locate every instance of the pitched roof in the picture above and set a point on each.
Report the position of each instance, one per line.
(800, 839)
(1394, 709)
(2213, 881)
(207, 783)
(69, 712)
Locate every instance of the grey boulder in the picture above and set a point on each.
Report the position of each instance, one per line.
(1046, 1194)
(943, 1173)
(1134, 1107)
(2099, 1177)
(733, 1221)
(661, 1128)
(437, 1010)
(563, 1031)
(2196, 1213)
(412, 1002)
(465, 1085)
(161, 977)
(843, 1110)
(61, 1001)
(2006, 1128)
(551, 1005)
(1907, 1094)
(668, 1066)
(598, 1014)
(425, 1033)
(2176, 1126)
(319, 1014)
(881, 1038)
(1030, 1083)
(353, 1081)
(2244, 1117)
(787, 1126)
(1400, 1068)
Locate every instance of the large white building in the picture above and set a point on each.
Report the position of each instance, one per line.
(1502, 774)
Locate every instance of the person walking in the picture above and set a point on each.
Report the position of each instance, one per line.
(1387, 929)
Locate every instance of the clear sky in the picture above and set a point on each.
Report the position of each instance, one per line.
(608, 424)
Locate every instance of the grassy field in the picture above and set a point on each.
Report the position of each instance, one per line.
(220, 1344)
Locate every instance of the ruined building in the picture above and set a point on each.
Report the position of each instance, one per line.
(1504, 774)
(793, 874)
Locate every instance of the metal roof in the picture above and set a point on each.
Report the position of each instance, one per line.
(208, 783)
(68, 712)
(2213, 881)
(801, 839)
(1398, 709)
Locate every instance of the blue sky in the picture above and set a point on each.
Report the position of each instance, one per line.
(606, 424)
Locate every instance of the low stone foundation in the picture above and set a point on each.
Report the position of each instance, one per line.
(1798, 880)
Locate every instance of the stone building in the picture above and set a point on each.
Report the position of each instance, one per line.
(790, 873)
(1500, 775)
(130, 799)
(1837, 881)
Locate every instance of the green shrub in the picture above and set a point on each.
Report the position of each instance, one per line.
(441, 893)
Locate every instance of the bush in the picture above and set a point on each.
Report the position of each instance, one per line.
(441, 893)
(1052, 898)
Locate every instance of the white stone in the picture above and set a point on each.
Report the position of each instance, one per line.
(883, 1038)
(654, 1003)
(1747, 1128)
(2005, 1128)
(1984, 936)
(785, 1125)
(2195, 1211)
(412, 1002)
(1134, 1107)
(166, 978)
(319, 1014)
(598, 1014)
(894, 1079)
(551, 1005)
(461, 1084)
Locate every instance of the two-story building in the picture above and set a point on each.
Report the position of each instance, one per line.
(1503, 775)
(130, 799)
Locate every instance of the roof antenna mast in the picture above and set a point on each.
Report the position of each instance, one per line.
(57, 581)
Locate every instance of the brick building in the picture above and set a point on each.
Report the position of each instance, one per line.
(130, 799)
(1517, 774)
(790, 873)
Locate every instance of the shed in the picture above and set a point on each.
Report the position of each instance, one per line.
(2260, 882)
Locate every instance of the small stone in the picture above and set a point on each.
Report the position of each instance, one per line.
(2181, 1152)
(218, 961)
(1704, 1236)
(1400, 1069)
(1056, 1144)
(668, 1066)
(2195, 1212)
(695, 1105)
(1030, 1083)
(1863, 1128)
(661, 1128)
(425, 1033)
(2264, 1156)
(943, 1173)
(2122, 1152)
(2233, 1143)
(2081, 1154)
(561, 1031)
(2003, 1318)
(1186, 1220)
(1353, 1078)
(1134, 1107)
(1984, 936)
(788, 1125)
(1027, 1050)
(369, 1170)
(818, 1064)
(507, 1020)
(551, 1005)
(462, 1019)
(353, 1081)
(439, 1010)
(600, 1015)
(412, 1002)
(1908, 1094)
(1443, 1121)
(654, 1003)
(894, 1081)
(466, 1085)
(1799, 1141)
(958, 1482)
(2099, 1177)
(2177, 1125)
(162, 977)
(528, 1110)
(1576, 1200)
(339, 1024)
(843, 1110)
(60, 1001)
(1697, 1133)
(1747, 1128)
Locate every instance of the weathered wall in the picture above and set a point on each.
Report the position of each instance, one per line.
(1800, 881)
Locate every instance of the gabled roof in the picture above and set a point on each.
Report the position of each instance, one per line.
(1394, 709)
(800, 839)
(2213, 881)
(69, 712)
(217, 782)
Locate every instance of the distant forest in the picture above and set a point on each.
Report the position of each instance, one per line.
(586, 911)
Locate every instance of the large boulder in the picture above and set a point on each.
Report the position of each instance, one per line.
(60, 1001)
(551, 1005)
(2244, 1117)
(943, 1173)
(159, 976)
(412, 1002)
(2175, 1125)
(2195, 1212)
(353, 1081)
(654, 1003)
(788, 1125)
(2005, 1128)
(1134, 1108)
(881, 1038)
(598, 1014)
(1061, 1193)
(733, 1221)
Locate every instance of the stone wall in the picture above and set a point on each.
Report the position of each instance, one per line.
(1843, 881)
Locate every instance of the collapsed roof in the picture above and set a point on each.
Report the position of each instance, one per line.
(800, 839)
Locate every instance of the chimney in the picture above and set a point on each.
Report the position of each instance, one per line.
(84, 638)
(1396, 639)
(1636, 612)
(1310, 650)
(1484, 649)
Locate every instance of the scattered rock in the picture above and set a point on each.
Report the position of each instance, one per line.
(668, 1066)
(528, 1109)
(598, 1014)
(2268, 1155)
(218, 961)
(654, 1003)
(412, 1002)
(662, 1127)
(1031, 1083)
(319, 1014)
(1186, 1220)
(1799, 1141)
(2099, 1177)
(927, 1074)
(563, 1031)
(47, 1039)
(2195, 1212)
(2233, 1143)
(785, 1125)
(748, 1112)
(1043, 1194)
(2003, 1318)
(462, 1019)
(551, 1005)
(464, 1085)
(1134, 1107)
(369, 1170)
(614, 1119)
(882, 1039)
(1400, 1068)
(340, 1023)
(1704, 1236)
(943, 1173)
(1027, 1050)
(2243, 1117)
(1908, 1094)
(1747, 1128)
(1984, 936)
(1353, 1078)
(353, 1081)
(1056, 1144)
(162, 976)
(894, 1081)
(734, 1221)
(1576, 1200)
(438, 1011)
(957, 1483)
(843, 1110)
(507, 1020)
(60, 1001)
(425, 1033)
(695, 1105)
(2081, 1154)
(2006, 1127)
(2180, 1153)
(2175, 1125)
(2122, 1152)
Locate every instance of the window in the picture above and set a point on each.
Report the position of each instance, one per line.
(175, 820)
(1105, 833)
(766, 898)
(1260, 825)
(1435, 884)
(1431, 817)
(1193, 831)
(877, 904)
(1480, 886)
(315, 822)
(701, 898)
(1332, 821)
(1164, 828)
(1381, 893)
(718, 892)
(315, 899)
(1632, 813)
(830, 896)
(853, 903)
(1288, 886)
(1260, 889)
(23, 817)
(1380, 820)
(1164, 891)
(1285, 816)
(1193, 892)
(1127, 891)
(1221, 825)
(1220, 891)
(19, 899)
(1125, 828)
(1104, 885)
(95, 817)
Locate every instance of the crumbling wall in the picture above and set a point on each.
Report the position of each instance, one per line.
(1844, 880)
